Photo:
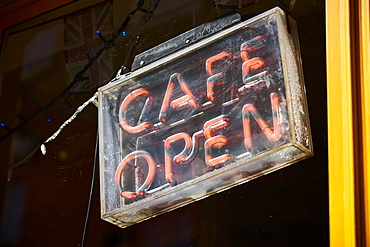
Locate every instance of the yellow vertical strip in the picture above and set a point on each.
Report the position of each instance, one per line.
(340, 125)
(365, 105)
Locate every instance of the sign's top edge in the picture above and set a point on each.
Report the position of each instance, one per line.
(185, 39)
(187, 49)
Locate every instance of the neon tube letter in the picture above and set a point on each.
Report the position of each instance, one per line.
(180, 103)
(213, 140)
(177, 159)
(126, 102)
(250, 110)
(149, 179)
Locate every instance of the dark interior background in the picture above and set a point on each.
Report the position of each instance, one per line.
(44, 201)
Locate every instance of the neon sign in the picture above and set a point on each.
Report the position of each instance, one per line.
(215, 114)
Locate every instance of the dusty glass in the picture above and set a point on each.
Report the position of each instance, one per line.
(213, 115)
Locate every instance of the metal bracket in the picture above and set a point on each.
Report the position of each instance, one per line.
(184, 39)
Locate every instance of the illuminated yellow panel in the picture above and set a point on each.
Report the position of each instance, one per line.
(365, 105)
(340, 125)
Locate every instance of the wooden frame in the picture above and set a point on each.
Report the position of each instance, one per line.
(340, 125)
(364, 56)
(348, 61)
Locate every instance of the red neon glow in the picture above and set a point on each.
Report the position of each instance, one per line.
(126, 102)
(214, 124)
(216, 141)
(250, 110)
(194, 148)
(244, 53)
(177, 137)
(168, 168)
(275, 102)
(251, 64)
(180, 103)
(179, 157)
(129, 195)
(166, 101)
(210, 92)
(250, 46)
(149, 179)
(216, 79)
(182, 148)
(213, 59)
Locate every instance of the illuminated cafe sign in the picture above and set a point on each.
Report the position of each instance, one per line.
(208, 117)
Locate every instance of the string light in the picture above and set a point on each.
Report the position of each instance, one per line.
(5, 126)
(47, 115)
(88, 55)
(93, 100)
(101, 36)
(69, 104)
(78, 78)
(20, 116)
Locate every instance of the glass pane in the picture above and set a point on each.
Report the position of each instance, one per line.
(216, 114)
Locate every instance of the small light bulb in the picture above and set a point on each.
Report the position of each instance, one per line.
(43, 149)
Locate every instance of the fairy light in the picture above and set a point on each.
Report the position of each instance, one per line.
(69, 104)
(78, 78)
(5, 126)
(20, 116)
(101, 36)
(88, 55)
(47, 115)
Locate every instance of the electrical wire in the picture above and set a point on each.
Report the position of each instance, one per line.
(68, 121)
(77, 78)
(87, 218)
(42, 146)
(96, 155)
